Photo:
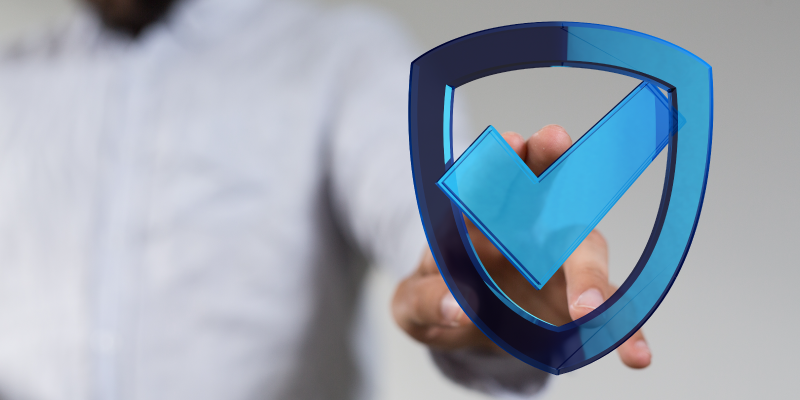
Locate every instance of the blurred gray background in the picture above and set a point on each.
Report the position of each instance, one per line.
(727, 328)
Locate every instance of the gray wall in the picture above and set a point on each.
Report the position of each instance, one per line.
(727, 328)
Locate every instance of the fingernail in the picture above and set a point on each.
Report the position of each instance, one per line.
(642, 347)
(451, 311)
(590, 299)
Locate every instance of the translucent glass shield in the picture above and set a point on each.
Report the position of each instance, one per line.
(537, 221)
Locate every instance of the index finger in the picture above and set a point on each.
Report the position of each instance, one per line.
(586, 270)
(586, 274)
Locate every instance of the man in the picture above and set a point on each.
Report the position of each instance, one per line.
(189, 193)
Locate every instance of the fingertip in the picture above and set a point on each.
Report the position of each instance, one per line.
(636, 354)
(595, 238)
(545, 146)
(550, 129)
(552, 135)
(452, 314)
(516, 142)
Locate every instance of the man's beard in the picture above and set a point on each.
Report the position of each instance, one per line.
(130, 16)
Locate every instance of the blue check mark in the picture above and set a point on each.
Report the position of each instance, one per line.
(538, 221)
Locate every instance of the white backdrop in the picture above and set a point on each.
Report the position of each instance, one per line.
(727, 328)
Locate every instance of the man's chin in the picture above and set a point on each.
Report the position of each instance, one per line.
(130, 16)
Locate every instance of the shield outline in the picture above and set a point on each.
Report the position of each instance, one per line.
(436, 74)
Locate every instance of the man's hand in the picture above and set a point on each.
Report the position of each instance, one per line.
(426, 310)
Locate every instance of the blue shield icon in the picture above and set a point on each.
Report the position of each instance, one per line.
(491, 185)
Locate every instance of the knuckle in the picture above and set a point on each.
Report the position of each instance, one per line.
(589, 271)
(596, 271)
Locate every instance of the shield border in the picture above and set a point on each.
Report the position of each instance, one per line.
(436, 74)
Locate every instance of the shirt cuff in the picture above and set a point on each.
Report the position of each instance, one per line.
(497, 374)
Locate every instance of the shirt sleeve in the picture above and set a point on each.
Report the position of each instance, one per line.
(373, 191)
(370, 168)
